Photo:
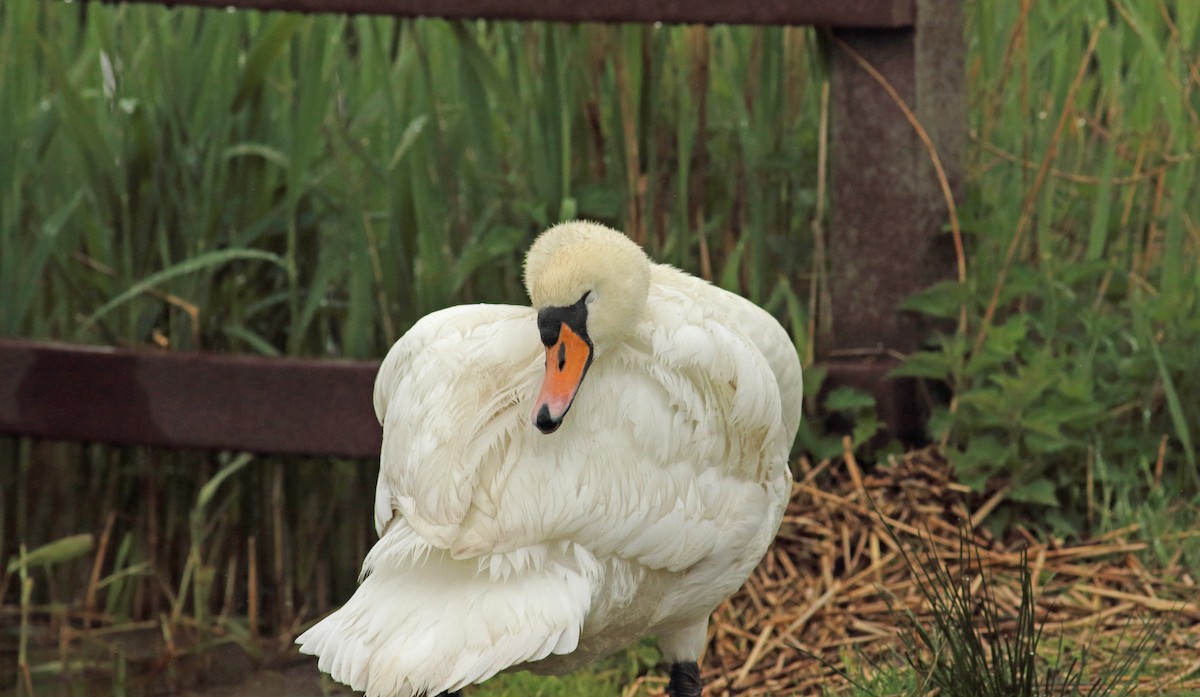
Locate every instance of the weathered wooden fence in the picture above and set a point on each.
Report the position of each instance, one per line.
(885, 242)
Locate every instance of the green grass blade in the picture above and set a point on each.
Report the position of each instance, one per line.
(1178, 415)
(56, 552)
(192, 265)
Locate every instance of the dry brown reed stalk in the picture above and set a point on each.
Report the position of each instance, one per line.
(89, 603)
(1076, 178)
(252, 587)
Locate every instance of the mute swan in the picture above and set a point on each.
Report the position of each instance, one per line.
(513, 537)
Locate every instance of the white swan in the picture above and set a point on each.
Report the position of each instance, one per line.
(512, 537)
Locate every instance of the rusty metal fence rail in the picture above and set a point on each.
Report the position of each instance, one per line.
(885, 243)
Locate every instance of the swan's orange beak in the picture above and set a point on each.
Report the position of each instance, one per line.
(567, 361)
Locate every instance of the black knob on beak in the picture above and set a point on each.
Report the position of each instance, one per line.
(544, 422)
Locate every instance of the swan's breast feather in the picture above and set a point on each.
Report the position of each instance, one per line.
(673, 450)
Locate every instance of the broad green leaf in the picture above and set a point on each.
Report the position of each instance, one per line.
(942, 299)
(32, 265)
(255, 341)
(273, 155)
(848, 399)
(268, 46)
(1039, 491)
(814, 380)
(57, 552)
(1102, 208)
(495, 243)
(1006, 338)
(209, 490)
(410, 135)
(730, 278)
(1039, 444)
(985, 456)
(865, 428)
(925, 364)
(144, 568)
(1188, 22)
(1175, 408)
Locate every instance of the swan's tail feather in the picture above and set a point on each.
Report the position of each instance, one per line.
(440, 625)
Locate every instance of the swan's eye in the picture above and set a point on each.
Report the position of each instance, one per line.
(589, 297)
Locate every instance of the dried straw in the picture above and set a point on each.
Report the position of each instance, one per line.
(831, 584)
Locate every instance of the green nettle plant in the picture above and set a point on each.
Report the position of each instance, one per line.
(1078, 326)
(843, 412)
(1080, 395)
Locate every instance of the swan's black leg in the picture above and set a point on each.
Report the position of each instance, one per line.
(685, 680)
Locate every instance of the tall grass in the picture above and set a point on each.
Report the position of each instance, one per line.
(1083, 219)
(313, 185)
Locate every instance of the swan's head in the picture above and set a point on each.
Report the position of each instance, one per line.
(589, 286)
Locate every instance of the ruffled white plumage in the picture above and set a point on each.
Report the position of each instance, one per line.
(502, 546)
(422, 623)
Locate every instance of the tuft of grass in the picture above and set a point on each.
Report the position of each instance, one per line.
(973, 648)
